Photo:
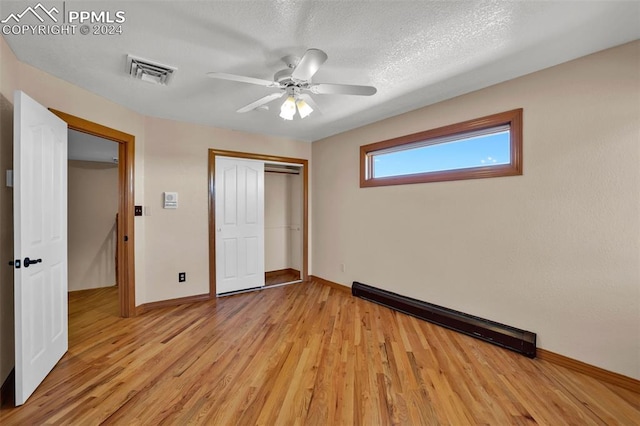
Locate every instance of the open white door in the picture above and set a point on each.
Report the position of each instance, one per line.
(239, 198)
(40, 242)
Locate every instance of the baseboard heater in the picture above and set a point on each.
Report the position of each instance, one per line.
(521, 341)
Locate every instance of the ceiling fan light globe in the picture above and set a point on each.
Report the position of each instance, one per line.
(289, 105)
(288, 108)
(286, 116)
(303, 108)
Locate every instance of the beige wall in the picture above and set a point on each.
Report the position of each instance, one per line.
(53, 92)
(555, 251)
(8, 78)
(282, 221)
(170, 156)
(8, 71)
(93, 204)
(176, 154)
(6, 240)
(176, 160)
(296, 220)
(276, 221)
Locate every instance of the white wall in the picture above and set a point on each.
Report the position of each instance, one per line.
(555, 251)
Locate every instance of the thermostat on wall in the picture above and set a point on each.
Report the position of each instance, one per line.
(170, 200)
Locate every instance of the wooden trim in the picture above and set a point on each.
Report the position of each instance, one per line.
(117, 248)
(263, 157)
(281, 271)
(590, 370)
(513, 118)
(7, 391)
(146, 307)
(212, 224)
(304, 273)
(92, 128)
(212, 207)
(331, 284)
(80, 292)
(126, 252)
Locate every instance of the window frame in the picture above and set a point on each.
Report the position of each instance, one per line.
(512, 118)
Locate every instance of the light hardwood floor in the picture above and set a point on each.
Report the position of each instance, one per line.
(281, 276)
(300, 354)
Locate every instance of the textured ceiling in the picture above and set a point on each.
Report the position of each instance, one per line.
(415, 52)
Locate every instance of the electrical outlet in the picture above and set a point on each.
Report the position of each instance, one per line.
(182, 277)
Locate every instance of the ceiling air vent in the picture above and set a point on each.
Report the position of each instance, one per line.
(145, 70)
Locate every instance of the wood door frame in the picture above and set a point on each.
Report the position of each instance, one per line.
(213, 153)
(126, 155)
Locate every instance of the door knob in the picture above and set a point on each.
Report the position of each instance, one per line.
(28, 262)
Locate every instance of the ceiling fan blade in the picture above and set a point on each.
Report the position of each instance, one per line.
(342, 89)
(243, 79)
(261, 101)
(309, 100)
(309, 64)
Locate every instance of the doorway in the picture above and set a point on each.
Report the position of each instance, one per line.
(282, 223)
(301, 168)
(125, 276)
(92, 211)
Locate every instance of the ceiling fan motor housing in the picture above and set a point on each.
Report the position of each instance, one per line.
(283, 76)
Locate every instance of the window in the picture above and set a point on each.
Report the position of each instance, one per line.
(486, 147)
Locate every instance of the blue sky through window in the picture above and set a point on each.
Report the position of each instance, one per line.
(475, 151)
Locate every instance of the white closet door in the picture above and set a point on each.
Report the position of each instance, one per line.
(239, 215)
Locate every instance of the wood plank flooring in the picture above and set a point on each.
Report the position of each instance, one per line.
(281, 276)
(300, 354)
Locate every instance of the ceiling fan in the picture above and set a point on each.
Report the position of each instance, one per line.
(295, 83)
